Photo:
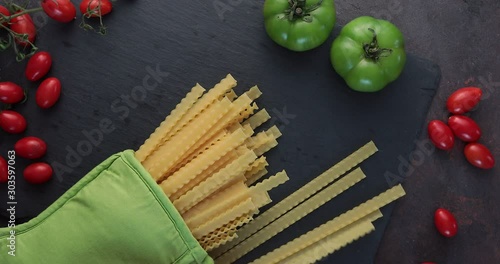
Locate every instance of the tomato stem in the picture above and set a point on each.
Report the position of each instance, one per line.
(26, 11)
(4, 18)
(20, 37)
(373, 50)
(298, 10)
(90, 12)
(5, 44)
(25, 92)
(17, 7)
(6, 107)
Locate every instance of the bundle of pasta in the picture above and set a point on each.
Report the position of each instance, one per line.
(322, 240)
(205, 156)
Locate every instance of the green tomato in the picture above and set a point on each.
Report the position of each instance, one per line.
(369, 54)
(299, 25)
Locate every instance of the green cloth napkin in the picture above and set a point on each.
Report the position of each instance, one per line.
(115, 214)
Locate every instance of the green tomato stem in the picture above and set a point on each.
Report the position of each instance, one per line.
(298, 10)
(373, 51)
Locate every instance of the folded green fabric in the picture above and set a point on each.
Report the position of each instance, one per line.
(115, 214)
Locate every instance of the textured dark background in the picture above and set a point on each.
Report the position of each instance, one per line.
(462, 37)
(194, 43)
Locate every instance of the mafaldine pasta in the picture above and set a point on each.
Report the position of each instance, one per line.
(331, 243)
(166, 126)
(205, 156)
(193, 192)
(210, 162)
(300, 195)
(293, 216)
(364, 210)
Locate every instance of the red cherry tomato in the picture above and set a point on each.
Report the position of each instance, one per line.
(441, 135)
(48, 92)
(464, 128)
(445, 222)
(23, 24)
(12, 122)
(3, 170)
(479, 156)
(463, 100)
(60, 10)
(4, 11)
(30, 148)
(38, 66)
(38, 173)
(95, 8)
(10, 93)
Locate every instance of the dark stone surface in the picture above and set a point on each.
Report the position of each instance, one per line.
(462, 37)
(194, 44)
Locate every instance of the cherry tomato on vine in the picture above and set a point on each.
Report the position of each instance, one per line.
(464, 128)
(12, 122)
(24, 25)
(3, 170)
(95, 8)
(48, 92)
(60, 10)
(479, 156)
(4, 11)
(30, 147)
(463, 100)
(38, 66)
(38, 173)
(10, 93)
(445, 222)
(441, 135)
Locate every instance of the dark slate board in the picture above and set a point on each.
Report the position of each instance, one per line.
(322, 120)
